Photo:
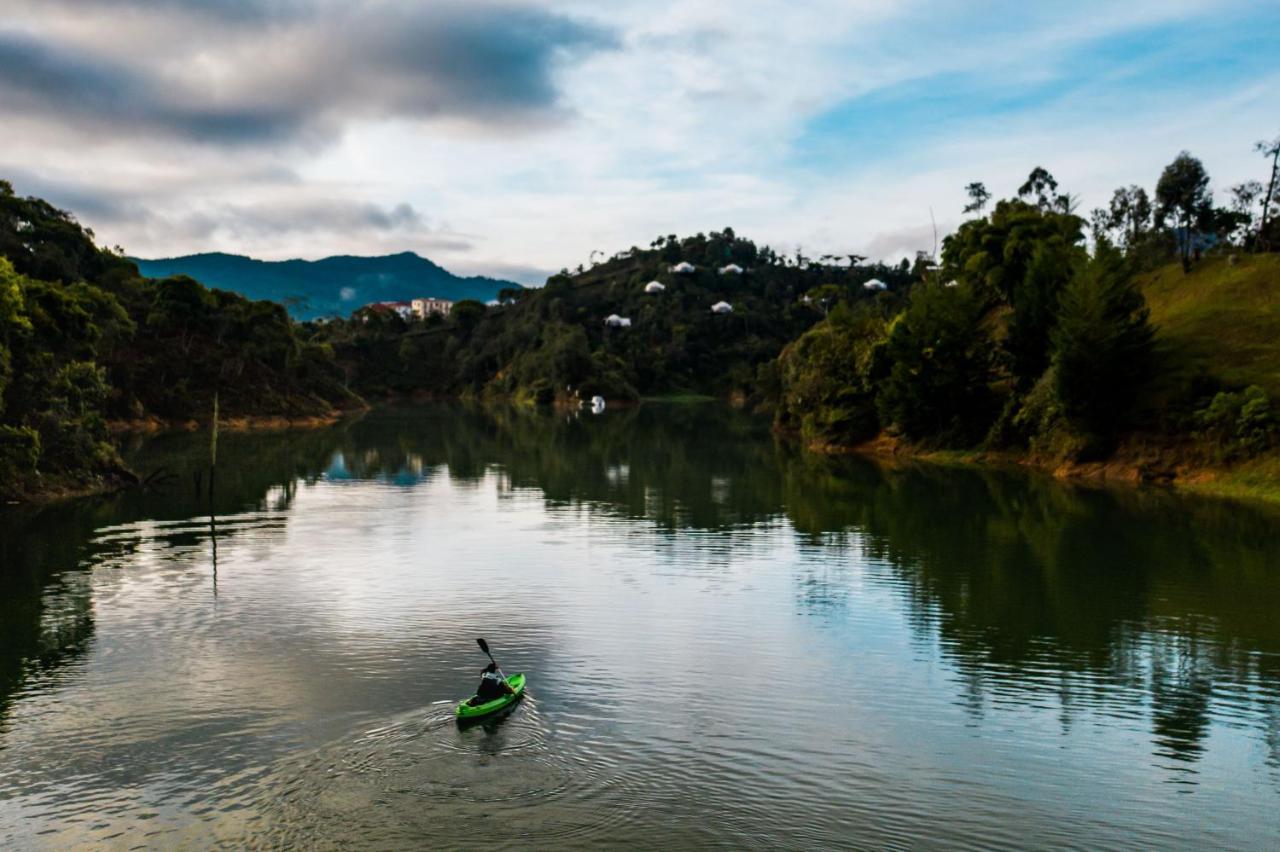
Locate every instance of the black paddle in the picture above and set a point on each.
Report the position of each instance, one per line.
(484, 646)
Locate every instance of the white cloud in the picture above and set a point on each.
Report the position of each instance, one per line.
(693, 122)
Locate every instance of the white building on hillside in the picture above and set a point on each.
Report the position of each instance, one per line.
(654, 287)
(615, 321)
(684, 268)
(875, 284)
(722, 308)
(423, 308)
(731, 269)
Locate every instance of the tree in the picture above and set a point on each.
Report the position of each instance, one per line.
(828, 377)
(1101, 344)
(1041, 186)
(1035, 308)
(467, 314)
(978, 197)
(1183, 195)
(1243, 198)
(940, 351)
(1269, 149)
(993, 253)
(1130, 214)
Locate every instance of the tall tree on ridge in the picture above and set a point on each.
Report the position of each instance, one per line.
(1268, 149)
(1130, 213)
(1040, 185)
(978, 197)
(1183, 194)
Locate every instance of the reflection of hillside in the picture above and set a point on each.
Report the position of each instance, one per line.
(1034, 586)
(45, 621)
(701, 466)
(1031, 589)
(46, 610)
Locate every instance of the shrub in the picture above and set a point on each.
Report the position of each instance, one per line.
(1241, 424)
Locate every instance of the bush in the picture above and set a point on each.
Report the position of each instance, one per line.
(1241, 424)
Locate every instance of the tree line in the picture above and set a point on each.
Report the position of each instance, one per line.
(85, 340)
(1032, 332)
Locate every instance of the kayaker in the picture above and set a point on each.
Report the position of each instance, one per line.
(492, 685)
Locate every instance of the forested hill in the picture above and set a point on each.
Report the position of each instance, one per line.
(332, 286)
(84, 340)
(554, 341)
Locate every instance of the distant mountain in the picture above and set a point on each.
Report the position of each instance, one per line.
(333, 286)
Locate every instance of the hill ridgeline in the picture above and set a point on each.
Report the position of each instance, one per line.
(332, 286)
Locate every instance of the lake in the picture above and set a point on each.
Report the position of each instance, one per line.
(729, 642)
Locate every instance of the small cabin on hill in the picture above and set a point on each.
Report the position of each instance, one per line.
(654, 287)
(684, 267)
(722, 308)
(615, 321)
(875, 284)
(731, 269)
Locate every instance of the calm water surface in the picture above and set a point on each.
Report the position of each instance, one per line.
(729, 643)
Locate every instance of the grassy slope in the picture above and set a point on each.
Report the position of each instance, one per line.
(1224, 319)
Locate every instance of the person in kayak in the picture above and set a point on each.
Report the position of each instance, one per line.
(492, 685)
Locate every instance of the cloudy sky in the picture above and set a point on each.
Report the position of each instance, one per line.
(516, 137)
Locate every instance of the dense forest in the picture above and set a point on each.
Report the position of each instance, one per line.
(553, 343)
(1031, 334)
(85, 340)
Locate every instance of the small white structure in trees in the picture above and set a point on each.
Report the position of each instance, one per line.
(684, 267)
(731, 269)
(952, 283)
(722, 308)
(615, 321)
(654, 287)
(875, 284)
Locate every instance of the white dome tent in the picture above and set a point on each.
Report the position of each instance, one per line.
(722, 308)
(654, 287)
(875, 284)
(731, 269)
(615, 321)
(684, 267)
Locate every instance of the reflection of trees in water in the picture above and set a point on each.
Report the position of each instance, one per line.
(1030, 587)
(1036, 587)
(47, 553)
(698, 466)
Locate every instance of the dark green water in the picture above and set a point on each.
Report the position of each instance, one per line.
(729, 642)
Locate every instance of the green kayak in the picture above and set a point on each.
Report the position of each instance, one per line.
(467, 710)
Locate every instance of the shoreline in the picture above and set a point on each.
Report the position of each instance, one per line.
(122, 478)
(238, 423)
(1134, 465)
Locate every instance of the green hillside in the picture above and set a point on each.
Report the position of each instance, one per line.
(1223, 319)
(554, 340)
(333, 286)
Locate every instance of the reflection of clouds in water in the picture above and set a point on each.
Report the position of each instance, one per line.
(895, 636)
